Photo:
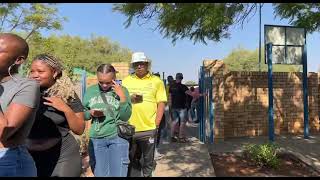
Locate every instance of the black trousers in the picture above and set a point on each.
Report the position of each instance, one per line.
(141, 154)
(162, 127)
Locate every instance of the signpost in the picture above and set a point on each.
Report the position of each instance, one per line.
(286, 45)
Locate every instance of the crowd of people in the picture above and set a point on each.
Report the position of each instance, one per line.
(40, 113)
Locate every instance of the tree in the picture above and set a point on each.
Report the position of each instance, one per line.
(241, 59)
(212, 21)
(29, 18)
(191, 83)
(305, 15)
(77, 52)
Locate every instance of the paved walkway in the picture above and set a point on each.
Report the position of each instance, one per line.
(185, 159)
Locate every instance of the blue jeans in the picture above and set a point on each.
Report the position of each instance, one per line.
(109, 157)
(193, 108)
(17, 162)
(182, 115)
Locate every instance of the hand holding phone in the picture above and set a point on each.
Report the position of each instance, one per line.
(136, 98)
(96, 113)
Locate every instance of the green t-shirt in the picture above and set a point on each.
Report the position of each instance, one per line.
(114, 110)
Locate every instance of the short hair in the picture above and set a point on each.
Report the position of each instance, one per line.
(106, 68)
(179, 76)
(23, 47)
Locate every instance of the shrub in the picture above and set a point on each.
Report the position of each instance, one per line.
(263, 155)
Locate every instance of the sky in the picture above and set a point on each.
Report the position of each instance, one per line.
(85, 19)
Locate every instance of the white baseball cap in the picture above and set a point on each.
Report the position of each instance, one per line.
(139, 57)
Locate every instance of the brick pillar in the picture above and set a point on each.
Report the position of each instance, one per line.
(217, 70)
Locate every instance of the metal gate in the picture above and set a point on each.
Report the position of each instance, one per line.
(206, 107)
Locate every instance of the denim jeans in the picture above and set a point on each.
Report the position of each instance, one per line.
(182, 115)
(193, 111)
(109, 157)
(17, 162)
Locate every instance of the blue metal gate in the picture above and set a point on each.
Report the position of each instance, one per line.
(206, 106)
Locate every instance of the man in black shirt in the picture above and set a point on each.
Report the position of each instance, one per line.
(179, 109)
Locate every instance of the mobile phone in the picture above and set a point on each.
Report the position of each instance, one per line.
(98, 110)
(118, 81)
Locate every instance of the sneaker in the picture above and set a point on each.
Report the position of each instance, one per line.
(157, 155)
(174, 139)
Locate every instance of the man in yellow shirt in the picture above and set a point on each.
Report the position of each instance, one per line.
(148, 98)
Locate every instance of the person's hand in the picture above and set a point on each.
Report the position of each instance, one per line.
(118, 90)
(136, 98)
(96, 113)
(57, 103)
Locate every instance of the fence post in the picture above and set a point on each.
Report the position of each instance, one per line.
(305, 93)
(270, 88)
(211, 109)
(83, 83)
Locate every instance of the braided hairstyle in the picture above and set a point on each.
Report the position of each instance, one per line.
(63, 87)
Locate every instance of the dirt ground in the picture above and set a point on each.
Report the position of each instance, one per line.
(229, 164)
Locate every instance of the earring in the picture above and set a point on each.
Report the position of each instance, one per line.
(9, 71)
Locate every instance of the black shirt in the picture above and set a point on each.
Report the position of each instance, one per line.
(51, 123)
(178, 95)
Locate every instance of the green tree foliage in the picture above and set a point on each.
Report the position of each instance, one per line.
(29, 18)
(191, 83)
(212, 21)
(241, 59)
(77, 52)
(305, 15)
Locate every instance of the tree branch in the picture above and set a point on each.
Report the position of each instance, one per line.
(31, 32)
(17, 23)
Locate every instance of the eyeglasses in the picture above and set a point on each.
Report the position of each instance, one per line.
(137, 64)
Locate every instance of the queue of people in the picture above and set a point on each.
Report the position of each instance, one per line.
(39, 114)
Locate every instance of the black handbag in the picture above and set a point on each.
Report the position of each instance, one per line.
(125, 130)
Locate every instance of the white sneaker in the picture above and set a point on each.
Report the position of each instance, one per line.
(157, 155)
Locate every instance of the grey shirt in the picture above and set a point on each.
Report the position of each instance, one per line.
(22, 91)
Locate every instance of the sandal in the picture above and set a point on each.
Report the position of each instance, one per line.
(183, 140)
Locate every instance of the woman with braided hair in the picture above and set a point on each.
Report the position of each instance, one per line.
(54, 149)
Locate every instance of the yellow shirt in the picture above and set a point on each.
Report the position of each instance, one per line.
(152, 89)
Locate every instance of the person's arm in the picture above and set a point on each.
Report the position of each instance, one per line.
(161, 99)
(12, 119)
(160, 111)
(21, 108)
(188, 92)
(125, 107)
(87, 114)
(75, 120)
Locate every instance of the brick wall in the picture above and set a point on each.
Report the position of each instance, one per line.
(241, 102)
(121, 67)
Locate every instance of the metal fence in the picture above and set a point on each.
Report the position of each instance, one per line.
(205, 111)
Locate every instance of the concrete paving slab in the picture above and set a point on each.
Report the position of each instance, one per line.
(190, 159)
(184, 160)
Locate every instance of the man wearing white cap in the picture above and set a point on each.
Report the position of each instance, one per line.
(148, 98)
